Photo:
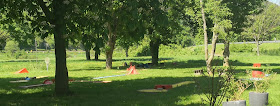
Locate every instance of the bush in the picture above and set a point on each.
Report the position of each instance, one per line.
(143, 51)
(11, 48)
(273, 52)
(21, 55)
(241, 48)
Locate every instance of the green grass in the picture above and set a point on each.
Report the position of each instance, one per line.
(123, 90)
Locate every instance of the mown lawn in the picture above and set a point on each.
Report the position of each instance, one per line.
(122, 90)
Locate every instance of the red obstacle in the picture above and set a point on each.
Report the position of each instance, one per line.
(257, 74)
(131, 70)
(257, 65)
(163, 87)
(48, 82)
(24, 70)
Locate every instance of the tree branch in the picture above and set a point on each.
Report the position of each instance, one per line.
(46, 11)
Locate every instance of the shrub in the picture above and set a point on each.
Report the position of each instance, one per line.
(143, 51)
(274, 52)
(21, 55)
(214, 87)
(241, 48)
(11, 48)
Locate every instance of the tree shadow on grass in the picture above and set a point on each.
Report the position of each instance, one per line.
(196, 64)
(129, 59)
(31, 60)
(115, 93)
(89, 69)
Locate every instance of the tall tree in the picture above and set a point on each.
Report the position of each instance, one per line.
(263, 23)
(52, 16)
(218, 14)
(238, 19)
(126, 42)
(158, 22)
(90, 26)
(120, 16)
(165, 20)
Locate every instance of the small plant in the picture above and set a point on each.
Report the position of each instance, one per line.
(214, 86)
(236, 89)
(260, 96)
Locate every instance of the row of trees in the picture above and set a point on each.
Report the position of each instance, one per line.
(105, 23)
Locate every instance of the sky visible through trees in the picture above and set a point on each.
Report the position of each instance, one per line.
(275, 1)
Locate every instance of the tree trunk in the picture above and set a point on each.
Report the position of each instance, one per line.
(110, 48)
(61, 72)
(204, 31)
(87, 54)
(96, 56)
(154, 47)
(126, 52)
(97, 51)
(214, 41)
(226, 54)
(258, 47)
(205, 37)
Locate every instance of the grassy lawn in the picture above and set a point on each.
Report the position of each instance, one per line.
(122, 90)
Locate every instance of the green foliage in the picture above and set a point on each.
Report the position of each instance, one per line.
(177, 50)
(214, 86)
(143, 51)
(272, 52)
(3, 37)
(243, 48)
(236, 89)
(50, 41)
(21, 55)
(11, 48)
(261, 24)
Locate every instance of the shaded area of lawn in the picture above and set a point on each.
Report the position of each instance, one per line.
(100, 94)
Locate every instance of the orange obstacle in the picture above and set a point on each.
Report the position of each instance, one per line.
(24, 70)
(257, 65)
(163, 87)
(257, 74)
(131, 70)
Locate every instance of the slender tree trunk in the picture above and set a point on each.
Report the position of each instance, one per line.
(110, 48)
(126, 51)
(208, 63)
(87, 53)
(214, 41)
(226, 54)
(96, 56)
(61, 72)
(258, 47)
(97, 51)
(154, 48)
(204, 31)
